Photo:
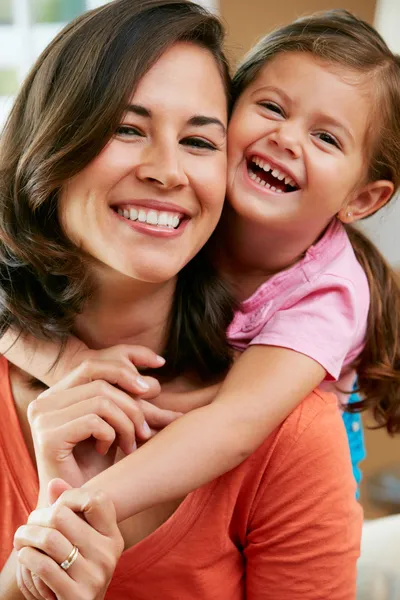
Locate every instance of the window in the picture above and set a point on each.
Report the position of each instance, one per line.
(56, 11)
(5, 12)
(8, 82)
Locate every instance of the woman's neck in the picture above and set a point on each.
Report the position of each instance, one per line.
(123, 310)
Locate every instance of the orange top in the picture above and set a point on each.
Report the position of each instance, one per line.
(284, 525)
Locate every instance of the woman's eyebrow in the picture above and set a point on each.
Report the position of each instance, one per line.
(200, 120)
(196, 120)
(138, 109)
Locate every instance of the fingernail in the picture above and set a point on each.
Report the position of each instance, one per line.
(146, 429)
(142, 383)
(160, 360)
(134, 447)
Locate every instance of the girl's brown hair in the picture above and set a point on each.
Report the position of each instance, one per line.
(339, 38)
(67, 110)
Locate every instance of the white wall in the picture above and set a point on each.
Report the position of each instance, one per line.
(384, 228)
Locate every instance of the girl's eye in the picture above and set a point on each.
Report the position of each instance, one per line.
(272, 107)
(328, 139)
(129, 131)
(199, 143)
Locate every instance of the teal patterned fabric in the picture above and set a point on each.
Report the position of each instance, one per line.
(355, 436)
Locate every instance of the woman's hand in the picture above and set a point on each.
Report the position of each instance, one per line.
(79, 422)
(51, 534)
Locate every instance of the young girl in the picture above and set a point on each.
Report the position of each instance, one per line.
(314, 145)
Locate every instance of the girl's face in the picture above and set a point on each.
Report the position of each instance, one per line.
(151, 199)
(296, 144)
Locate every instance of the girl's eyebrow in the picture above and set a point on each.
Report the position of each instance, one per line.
(196, 120)
(272, 88)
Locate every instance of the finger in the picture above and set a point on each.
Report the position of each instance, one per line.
(105, 399)
(140, 356)
(123, 423)
(83, 428)
(49, 571)
(55, 488)
(153, 390)
(43, 590)
(101, 398)
(156, 417)
(48, 540)
(121, 373)
(26, 584)
(97, 509)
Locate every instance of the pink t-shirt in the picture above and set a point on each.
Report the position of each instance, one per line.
(318, 307)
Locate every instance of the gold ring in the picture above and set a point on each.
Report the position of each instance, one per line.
(71, 558)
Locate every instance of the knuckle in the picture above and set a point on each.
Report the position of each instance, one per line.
(98, 499)
(34, 410)
(88, 365)
(50, 541)
(103, 404)
(57, 518)
(44, 568)
(93, 420)
(98, 578)
(102, 388)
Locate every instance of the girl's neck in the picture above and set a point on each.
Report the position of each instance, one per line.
(249, 254)
(126, 311)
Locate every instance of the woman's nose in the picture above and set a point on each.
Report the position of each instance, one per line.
(162, 165)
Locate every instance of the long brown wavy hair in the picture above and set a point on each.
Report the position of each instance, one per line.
(340, 38)
(67, 110)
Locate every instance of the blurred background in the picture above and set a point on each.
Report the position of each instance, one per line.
(26, 26)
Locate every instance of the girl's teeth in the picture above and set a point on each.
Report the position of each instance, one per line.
(133, 214)
(142, 216)
(126, 213)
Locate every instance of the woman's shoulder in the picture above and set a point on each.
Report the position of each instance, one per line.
(311, 443)
(314, 421)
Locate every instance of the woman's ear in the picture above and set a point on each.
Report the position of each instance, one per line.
(367, 201)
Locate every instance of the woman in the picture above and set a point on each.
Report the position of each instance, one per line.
(176, 162)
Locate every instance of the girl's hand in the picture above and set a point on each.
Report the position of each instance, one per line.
(131, 357)
(76, 422)
(51, 534)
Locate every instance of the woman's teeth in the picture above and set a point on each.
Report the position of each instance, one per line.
(151, 217)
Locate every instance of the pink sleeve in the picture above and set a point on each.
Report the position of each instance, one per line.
(323, 325)
(304, 534)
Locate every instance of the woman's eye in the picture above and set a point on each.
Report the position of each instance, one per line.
(272, 107)
(129, 131)
(200, 143)
(328, 139)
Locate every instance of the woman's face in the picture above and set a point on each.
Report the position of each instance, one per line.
(151, 199)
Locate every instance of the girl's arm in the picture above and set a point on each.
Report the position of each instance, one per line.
(260, 391)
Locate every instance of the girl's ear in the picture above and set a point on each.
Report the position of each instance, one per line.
(367, 201)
